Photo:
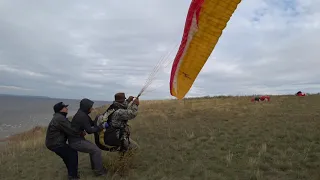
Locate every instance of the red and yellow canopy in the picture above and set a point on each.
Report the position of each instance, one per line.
(205, 22)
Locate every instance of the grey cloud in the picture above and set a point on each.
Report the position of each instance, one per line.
(97, 48)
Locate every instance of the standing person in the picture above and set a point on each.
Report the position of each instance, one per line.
(59, 130)
(81, 121)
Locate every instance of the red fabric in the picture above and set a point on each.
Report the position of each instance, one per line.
(83, 133)
(195, 8)
(262, 98)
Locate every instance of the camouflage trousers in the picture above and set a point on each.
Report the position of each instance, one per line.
(133, 145)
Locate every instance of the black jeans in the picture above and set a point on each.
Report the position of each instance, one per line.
(70, 159)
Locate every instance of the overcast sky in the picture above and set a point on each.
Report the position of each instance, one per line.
(81, 48)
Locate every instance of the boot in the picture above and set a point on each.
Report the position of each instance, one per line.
(104, 172)
(73, 178)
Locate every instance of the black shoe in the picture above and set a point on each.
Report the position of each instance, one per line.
(73, 178)
(101, 173)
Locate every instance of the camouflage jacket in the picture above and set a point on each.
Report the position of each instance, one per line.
(120, 117)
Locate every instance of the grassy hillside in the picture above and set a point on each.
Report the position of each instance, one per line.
(212, 138)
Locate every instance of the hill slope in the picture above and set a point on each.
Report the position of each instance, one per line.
(217, 138)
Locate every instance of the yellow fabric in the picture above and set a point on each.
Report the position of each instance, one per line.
(213, 18)
(101, 137)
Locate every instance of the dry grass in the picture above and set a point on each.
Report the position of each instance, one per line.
(213, 138)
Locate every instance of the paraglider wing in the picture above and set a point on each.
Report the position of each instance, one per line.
(204, 24)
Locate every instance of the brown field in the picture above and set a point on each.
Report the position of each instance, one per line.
(208, 138)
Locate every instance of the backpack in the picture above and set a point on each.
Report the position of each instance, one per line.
(107, 138)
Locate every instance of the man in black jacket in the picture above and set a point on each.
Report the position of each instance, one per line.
(81, 121)
(58, 131)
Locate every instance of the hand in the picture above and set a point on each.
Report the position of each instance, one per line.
(130, 98)
(136, 101)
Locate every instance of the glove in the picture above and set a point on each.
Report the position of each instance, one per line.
(105, 125)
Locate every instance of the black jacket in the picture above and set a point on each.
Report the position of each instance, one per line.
(81, 121)
(59, 130)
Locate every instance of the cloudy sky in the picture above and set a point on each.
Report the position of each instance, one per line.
(80, 48)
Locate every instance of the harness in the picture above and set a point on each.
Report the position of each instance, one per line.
(107, 139)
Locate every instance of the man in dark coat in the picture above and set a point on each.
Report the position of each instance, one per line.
(81, 121)
(58, 131)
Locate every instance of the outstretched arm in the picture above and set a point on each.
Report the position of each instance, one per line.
(91, 129)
